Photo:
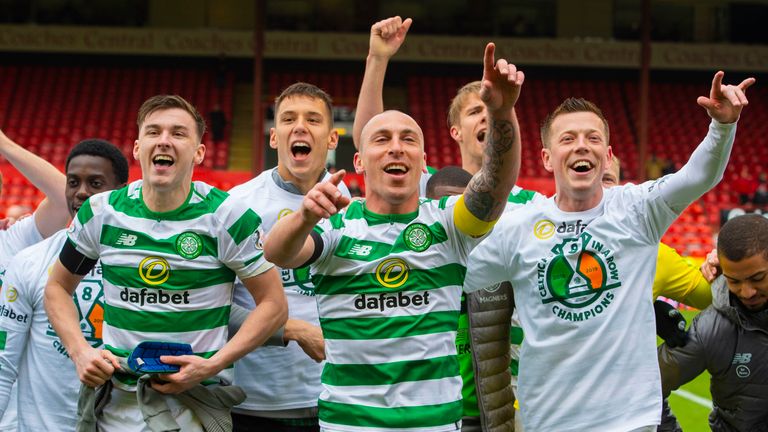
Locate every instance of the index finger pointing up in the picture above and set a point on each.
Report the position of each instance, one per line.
(336, 177)
(488, 59)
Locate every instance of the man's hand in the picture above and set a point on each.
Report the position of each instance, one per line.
(501, 82)
(725, 102)
(710, 268)
(324, 199)
(94, 367)
(308, 336)
(670, 324)
(387, 36)
(194, 370)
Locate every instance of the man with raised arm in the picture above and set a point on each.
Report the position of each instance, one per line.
(387, 270)
(51, 216)
(50, 404)
(170, 250)
(583, 292)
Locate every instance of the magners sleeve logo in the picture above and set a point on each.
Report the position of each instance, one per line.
(578, 278)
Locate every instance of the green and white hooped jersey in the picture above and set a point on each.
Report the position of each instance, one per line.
(388, 289)
(275, 377)
(168, 276)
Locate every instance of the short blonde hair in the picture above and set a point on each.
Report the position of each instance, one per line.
(457, 104)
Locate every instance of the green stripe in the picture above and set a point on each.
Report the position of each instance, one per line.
(368, 250)
(245, 226)
(390, 373)
(521, 197)
(514, 366)
(357, 210)
(3, 339)
(85, 213)
(135, 207)
(111, 234)
(401, 417)
(389, 327)
(418, 280)
(431, 170)
(178, 279)
(254, 259)
(166, 322)
(337, 221)
(443, 203)
(515, 335)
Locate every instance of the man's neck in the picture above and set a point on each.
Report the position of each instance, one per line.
(379, 205)
(164, 201)
(577, 203)
(471, 166)
(302, 184)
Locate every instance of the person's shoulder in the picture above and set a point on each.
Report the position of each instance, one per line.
(253, 185)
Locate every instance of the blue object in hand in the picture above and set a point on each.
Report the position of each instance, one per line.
(145, 358)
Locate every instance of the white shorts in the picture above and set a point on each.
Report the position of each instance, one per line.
(122, 414)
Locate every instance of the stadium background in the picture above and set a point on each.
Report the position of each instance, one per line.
(74, 69)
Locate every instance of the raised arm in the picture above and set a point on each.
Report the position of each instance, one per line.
(386, 37)
(52, 214)
(488, 190)
(289, 244)
(707, 164)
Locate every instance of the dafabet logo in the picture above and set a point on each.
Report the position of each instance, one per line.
(577, 280)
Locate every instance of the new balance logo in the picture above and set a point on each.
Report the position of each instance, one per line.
(742, 358)
(360, 250)
(126, 240)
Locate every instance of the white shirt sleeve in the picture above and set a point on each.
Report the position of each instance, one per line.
(20, 235)
(487, 262)
(703, 170)
(17, 304)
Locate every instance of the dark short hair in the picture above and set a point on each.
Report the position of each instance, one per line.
(571, 105)
(164, 102)
(743, 237)
(104, 149)
(448, 176)
(308, 90)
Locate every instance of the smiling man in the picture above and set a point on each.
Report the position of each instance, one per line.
(92, 166)
(283, 383)
(730, 338)
(583, 292)
(184, 241)
(388, 270)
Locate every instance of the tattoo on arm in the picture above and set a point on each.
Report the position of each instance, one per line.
(481, 196)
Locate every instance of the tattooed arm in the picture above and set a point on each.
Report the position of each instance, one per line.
(488, 190)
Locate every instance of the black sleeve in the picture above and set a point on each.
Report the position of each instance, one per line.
(74, 261)
(318, 248)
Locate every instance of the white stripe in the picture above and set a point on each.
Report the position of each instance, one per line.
(200, 340)
(378, 351)
(694, 398)
(343, 305)
(404, 394)
(202, 298)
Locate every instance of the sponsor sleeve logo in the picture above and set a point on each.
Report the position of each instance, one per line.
(392, 273)
(154, 270)
(189, 245)
(258, 239)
